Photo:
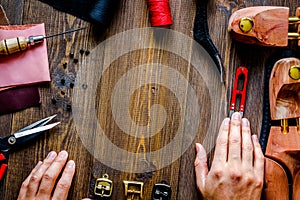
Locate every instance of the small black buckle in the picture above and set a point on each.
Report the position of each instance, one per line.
(161, 191)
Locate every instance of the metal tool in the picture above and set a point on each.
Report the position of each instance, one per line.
(239, 91)
(20, 137)
(13, 45)
(161, 191)
(201, 35)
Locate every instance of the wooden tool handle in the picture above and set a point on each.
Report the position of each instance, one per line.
(13, 45)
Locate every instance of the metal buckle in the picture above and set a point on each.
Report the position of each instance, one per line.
(103, 186)
(161, 191)
(133, 188)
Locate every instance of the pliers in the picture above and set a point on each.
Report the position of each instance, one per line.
(20, 137)
(201, 35)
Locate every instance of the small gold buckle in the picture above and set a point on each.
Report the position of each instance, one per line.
(103, 186)
(133, 188)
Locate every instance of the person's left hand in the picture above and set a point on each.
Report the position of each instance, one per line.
(41, 181)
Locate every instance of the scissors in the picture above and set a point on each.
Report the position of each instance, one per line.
(20, 137)
(238, 98)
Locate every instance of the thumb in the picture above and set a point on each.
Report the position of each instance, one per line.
(201, 167)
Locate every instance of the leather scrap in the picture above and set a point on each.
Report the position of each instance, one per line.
(26, 67)
(17, 98)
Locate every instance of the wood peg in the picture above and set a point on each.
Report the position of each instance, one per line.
(298, 15)
(298, 124)
(285, 90)
(284, 126)
(263, 25)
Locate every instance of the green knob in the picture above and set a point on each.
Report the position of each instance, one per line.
(246, 24)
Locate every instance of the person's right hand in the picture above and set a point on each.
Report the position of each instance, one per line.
(237, 169)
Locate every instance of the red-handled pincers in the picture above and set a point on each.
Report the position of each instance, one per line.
(238, 98)
(21, 137)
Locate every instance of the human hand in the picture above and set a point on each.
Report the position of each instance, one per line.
(237, 170)
(41, 181)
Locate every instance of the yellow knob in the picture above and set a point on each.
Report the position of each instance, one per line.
(246, 24)
(294, 72)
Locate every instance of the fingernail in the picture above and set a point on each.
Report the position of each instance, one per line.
(236, 116)
(245, 122)
(38, 165)
(51, 155)
(63, 154)
(197, 147)
(226, 121)
(71, 164)
(254, 138)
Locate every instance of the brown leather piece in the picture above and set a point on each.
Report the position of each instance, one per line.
(19, 98)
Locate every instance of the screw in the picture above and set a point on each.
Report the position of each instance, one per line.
(75, 60)
(65, 65)
(71, 55)
(87, 52)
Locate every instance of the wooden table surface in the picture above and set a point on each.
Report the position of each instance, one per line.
(131, 14)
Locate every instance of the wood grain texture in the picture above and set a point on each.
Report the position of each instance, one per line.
(131, 14)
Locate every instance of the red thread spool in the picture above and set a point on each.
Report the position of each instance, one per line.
(160, 13)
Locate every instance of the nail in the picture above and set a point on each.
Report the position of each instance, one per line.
(226, 121)
(51, 155)
(71, 164)
(245, 122)
(38, 165)
(254, 138)
(63, 154)
(197, 147)
(236, 116)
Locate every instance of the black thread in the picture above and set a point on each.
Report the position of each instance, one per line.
(97, 11)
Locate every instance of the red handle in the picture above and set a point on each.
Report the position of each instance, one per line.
(3, 166)
(241, 74)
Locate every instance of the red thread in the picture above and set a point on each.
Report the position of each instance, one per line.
(160, 13)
